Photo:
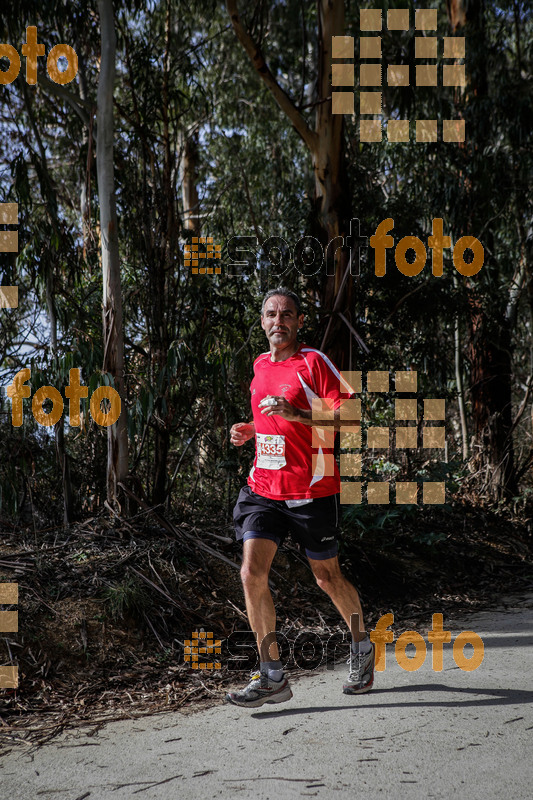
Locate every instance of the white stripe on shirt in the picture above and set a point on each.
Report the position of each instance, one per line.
(332, 367)
(320, 464)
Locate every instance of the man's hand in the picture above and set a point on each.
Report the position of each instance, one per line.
(241, 432)
(273, 404)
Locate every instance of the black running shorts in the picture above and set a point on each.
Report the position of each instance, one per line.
(315, 526)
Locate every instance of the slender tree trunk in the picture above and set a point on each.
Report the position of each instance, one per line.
(189, 188)
(489, 344)
(85, 183)
(332, 210)
(490, 354)
(332, 193)
(460, 390)
(160, 231)
(161, 301)
(117, 437)
(59, 430)
(49, 197)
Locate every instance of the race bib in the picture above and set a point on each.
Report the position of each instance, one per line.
(270, 451)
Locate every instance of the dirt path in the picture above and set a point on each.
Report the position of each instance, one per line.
(422, 734)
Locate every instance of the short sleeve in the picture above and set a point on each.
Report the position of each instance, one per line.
(329, 381)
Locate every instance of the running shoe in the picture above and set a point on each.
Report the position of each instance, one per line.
(361, 675)
(261, 689)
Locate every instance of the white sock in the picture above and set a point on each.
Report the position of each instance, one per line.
(364, 646)
(274, 668)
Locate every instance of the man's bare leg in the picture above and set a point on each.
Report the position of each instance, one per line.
(258, 555)
(346, 598)
(343, 593)
(269, 687)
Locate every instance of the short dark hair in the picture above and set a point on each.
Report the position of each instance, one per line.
(284, 292)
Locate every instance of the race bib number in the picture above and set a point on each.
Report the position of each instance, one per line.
(270, 451)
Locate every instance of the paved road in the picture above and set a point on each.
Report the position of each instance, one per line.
(420, 734)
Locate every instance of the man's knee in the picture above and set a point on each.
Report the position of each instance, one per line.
(254, 571)
(328, 576)
(257, 559)
(254, 574)
(330, 583)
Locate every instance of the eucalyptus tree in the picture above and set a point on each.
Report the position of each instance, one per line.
(478, 324)
(38, 151)
(117, 435)
(324, 139)
(485, 190)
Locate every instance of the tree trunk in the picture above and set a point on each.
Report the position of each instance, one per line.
(489, 346)
(49, 197)
(161, 303)
(59, 429)
(490, 355)
(189, 189)
(460, 390)
(332, 207)
(117, 437)
(332, 195)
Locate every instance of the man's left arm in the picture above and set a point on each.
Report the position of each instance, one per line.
(324, 418)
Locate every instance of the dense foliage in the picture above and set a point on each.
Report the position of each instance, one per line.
(188, 102)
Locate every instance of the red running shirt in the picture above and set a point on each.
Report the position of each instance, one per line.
(283, 464)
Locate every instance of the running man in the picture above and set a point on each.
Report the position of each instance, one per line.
(288, 491)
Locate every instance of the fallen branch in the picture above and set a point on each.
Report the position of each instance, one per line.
(179, 533)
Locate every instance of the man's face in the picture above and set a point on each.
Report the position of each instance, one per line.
(280, 320)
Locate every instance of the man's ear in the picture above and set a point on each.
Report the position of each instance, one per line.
(300, 321)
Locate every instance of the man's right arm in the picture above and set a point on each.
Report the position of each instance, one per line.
(241, 432)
